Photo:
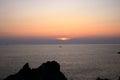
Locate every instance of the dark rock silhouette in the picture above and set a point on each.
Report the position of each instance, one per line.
(47, 71)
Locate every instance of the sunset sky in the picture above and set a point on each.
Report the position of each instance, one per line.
(54, 19)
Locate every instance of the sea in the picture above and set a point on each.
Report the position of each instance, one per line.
(78, 61)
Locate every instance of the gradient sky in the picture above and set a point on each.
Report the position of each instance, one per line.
(59, 18)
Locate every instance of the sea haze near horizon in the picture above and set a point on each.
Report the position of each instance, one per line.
(82, 61)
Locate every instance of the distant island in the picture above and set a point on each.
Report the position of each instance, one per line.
(118, 52)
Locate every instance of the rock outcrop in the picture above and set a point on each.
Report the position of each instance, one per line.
(47, 71)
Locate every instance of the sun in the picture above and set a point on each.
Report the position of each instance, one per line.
(63, 39)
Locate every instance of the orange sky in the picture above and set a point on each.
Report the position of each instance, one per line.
(59, 18)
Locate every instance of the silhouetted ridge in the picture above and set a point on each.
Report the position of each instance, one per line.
(25, 68)
(47, 71)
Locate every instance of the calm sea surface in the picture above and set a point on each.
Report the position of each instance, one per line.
(78, 62)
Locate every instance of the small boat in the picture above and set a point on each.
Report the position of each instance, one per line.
(60, 46)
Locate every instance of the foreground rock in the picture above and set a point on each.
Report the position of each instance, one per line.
(47, 71)
(105, 78)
